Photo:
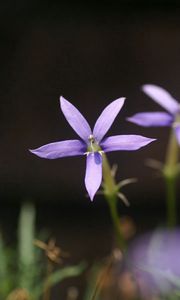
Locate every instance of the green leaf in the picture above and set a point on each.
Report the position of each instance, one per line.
(3, 258)
(26, 234)
(6, 277)
(66, 272)
(92, 282)
(60, 275)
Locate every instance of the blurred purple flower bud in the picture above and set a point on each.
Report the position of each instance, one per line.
(155, 261)
(152, 119)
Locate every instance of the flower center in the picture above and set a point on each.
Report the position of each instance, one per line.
(176, 120)
(93, 146)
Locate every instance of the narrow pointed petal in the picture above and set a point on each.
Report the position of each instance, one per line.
(75, 119)
(162, 97)
(93, 177)
(60, 149)
(124, 142)
(106, 118)
(148, 119)
(177, 133)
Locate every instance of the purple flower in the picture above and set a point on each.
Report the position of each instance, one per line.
(169, 118)
(92, 143)
(154, 258)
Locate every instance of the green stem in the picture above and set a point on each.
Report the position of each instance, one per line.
(112, 202)
(170, 175)
(47, 286)
(109, 181)
(172, 154)
(110, 192)
(171, 202)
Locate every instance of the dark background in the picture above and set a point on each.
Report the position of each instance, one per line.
(91, 54)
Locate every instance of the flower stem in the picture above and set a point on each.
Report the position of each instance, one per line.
(110, 193)
(112, 202)
(47, 287)
(170, 173)
(171, 202)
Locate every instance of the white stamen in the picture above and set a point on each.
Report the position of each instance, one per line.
(175, 124)
(90, 138)
(86, 153)
(101, 152)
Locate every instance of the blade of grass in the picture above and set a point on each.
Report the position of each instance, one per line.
(26, 234)
(60, 275)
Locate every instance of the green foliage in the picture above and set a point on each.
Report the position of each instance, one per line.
(92, 291)
(22, 268)
(60, 275)
(26, 250)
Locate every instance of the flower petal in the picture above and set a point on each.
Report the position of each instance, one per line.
(93, 177)
(60, 149)
(162, 97)
(177, 132)
(75, 119)
(148, 119)
(125, 142)
(106, 118)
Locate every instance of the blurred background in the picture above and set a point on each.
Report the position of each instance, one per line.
(91, 54)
